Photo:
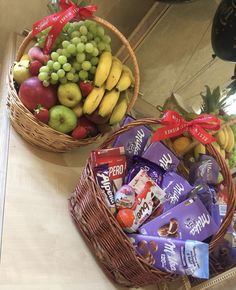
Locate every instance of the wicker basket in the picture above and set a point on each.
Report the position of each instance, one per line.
(104, 235)
(37, 133)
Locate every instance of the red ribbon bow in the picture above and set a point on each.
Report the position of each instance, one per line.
(58, 20)
(175, 125)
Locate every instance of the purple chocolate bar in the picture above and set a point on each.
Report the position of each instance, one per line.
(177, 188)
(173, 255)
(134, 140)
(189, 220)
(153, 170)
(161, 155)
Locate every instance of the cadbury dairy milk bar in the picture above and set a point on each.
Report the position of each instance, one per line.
(173, 255)
(176, 187)
(134, 140)
(161, 155)
(188, 220)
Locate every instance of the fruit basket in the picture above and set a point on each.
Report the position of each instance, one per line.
(105, 236)
(40, 134)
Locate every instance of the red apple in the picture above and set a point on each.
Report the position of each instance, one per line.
(36, 53)
(34, 67)
(32, 93)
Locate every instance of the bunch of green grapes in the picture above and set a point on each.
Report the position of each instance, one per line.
(76, 53)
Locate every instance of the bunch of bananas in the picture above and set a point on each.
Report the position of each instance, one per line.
(108, 99)
(225, 143)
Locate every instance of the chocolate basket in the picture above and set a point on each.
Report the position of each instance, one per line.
(40, 134)
(105, 237)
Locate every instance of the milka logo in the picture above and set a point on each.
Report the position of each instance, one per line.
(166, 161)
(106, 187)
(178, 189)
(196, 225)
(136, 145)
(209, 167)
(169, 250)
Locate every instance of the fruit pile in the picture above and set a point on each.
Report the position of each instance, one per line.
(79, 85)
(214, 102)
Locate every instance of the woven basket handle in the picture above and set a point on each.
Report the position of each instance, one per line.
(124, 41)
(144, 121)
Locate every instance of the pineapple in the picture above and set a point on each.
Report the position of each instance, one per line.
(214, 102)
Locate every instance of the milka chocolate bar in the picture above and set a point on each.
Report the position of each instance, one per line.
(173, 255)
(158, 153)
(134, 140)
(176, 187)
(189, 220)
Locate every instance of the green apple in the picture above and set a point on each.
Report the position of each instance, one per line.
(21, 71)
(62, 119)
(69, 94)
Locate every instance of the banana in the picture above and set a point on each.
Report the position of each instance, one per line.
(226, 139)
(231, 141)
(108, 103)
(221, 138)
(114, 75)
(126, 79)
(93, 100)
(126, 68)
(199, 149)
(103, 68)
(217, 146)
(119, 110)
(223, 153)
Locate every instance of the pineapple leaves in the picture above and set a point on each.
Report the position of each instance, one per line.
(213, 101)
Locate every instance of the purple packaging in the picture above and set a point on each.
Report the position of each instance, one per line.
(153, 170)
(188, 220)
(173, 255)
(206, 193)
(125, 197)
(161, 155)
(218, 212)
(176, 187)
(207, 170)
(103, 180)
(134, 140)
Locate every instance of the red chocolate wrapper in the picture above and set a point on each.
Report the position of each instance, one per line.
(116, 161)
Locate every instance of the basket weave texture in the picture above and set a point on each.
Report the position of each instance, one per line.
(105, 237)
(41, 135)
